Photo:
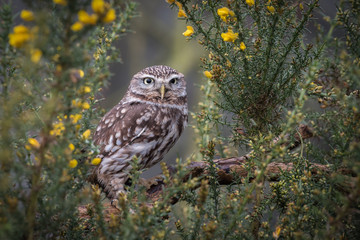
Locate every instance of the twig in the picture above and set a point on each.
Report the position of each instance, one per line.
(230, 170)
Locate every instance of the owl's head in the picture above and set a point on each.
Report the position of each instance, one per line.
(161, 84)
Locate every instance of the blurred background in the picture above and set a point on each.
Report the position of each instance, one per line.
(156, 39)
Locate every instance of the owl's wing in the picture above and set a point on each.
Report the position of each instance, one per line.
(121, 126)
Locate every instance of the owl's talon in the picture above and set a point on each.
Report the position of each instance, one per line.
(114, 202)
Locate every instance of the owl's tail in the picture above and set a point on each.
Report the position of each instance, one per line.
(111, 187)
(93, 179)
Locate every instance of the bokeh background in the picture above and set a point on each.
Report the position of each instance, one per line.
(156, 39)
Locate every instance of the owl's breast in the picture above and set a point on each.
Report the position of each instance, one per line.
(163, 130)
(147, 131)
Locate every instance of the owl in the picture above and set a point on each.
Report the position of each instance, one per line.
(146, 123)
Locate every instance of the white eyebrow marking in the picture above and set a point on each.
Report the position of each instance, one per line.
(147, 76)
(172, 76)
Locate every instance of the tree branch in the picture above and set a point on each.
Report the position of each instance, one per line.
(230, 170)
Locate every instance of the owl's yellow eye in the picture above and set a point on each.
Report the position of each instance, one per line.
(148, 80)
(174, 81)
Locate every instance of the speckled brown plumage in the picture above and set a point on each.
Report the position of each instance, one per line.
(146, 123)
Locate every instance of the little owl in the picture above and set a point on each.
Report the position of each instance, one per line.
(146, 123)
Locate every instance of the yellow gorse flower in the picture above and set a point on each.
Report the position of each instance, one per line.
(85, 18)
(71, 147)
(81, 73)
(242, 46)
(301, 6)
(224, 13)
(86, 134)
(27, 15)
(189, 31)
(98, 6)
(85, 105)
(96, 161)
(35, 55)
(84, 90)
(229, 36)
(208, 74)
(58, 128)
(276, 234)
(33, 143)
(75, 118)
(270, 9)
(181, 12)
(60, 2)
(101, 10)
(110, 16)
(77, 26)
(20, 35)
(73, 163)
(80, 104)
(76, 103)
(250, 2)
(21, 29)
(178, 4)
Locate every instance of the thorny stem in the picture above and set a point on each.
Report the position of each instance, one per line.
(248, 195)
(211, 43)
(202, 31)
(36, 176)
(290, 45)
(35, 189)
(36, 184)
(269, 47)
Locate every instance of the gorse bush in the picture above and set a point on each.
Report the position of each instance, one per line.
(262, 81)
(256, 56)
(52, 65)
(260, 74)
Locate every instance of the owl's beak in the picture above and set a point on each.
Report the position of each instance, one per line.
(162, 91)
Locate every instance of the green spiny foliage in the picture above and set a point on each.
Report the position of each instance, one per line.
(260, 72)
(260, 78)
(256, 56)
(50, 74)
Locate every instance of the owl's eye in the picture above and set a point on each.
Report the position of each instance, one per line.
(148, 80)
(174, 81)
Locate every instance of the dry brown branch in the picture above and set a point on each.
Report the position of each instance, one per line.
(232, 169)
